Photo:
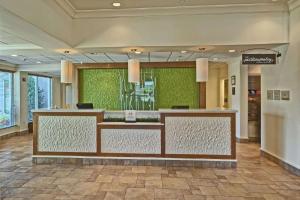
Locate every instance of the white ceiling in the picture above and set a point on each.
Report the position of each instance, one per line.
(108, 55)
(81, 5)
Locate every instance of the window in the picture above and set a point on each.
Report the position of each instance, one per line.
(6, 100)
(39, 93)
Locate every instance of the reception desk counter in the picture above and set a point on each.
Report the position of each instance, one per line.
(164, 137)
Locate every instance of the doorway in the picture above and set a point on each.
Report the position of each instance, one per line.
(254, 108)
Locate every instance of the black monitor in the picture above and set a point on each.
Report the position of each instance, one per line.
(85, 106)
(183, 107)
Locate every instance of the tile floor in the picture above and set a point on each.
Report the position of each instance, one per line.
(254, 178)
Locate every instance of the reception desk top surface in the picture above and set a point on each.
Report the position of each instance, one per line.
(159, 111)
(197, 111)
(68, 110)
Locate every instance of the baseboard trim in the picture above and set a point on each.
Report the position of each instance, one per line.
(17, 133)
(283, 164)
(242, 140)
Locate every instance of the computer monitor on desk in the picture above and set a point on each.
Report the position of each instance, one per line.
(183, 107)
(85, 106)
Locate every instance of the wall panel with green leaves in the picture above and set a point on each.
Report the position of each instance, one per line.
(174, 86)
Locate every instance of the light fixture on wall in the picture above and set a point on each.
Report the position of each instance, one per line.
(66, 72)
(202, 69)
(133, 71)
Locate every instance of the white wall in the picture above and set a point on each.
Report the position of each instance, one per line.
(280, 119)
(180, 30)
(20, 98)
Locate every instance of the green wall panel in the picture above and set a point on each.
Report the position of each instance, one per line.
(175, 86)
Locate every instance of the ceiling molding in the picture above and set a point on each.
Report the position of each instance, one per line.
(183, 10)
(293, 4)
(67, 7)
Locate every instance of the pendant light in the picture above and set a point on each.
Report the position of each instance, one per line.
(133, 71)
(66, 71)
(202, 69)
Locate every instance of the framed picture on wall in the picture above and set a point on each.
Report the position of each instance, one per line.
(285, 95)
(277, 95)
(233, 81)
(270, 94)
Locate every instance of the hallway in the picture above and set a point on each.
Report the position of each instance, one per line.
(254, 178)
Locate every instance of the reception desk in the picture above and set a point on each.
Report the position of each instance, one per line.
(164, 137)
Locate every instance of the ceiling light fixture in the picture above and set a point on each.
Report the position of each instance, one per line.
(116, 4)
(14, 55)
(133, 71)
(38, 62)
(66, 72)
(183, 51)
(231, 50)
(215, 59)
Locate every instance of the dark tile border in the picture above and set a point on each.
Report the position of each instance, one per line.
(137, 162)
(281, 163)
(17, 133)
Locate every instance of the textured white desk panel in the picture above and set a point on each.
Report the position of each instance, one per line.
(142, 141)
(198, 135)
(67, 134)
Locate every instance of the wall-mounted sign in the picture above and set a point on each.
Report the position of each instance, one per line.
(259, 59)
(130, 116)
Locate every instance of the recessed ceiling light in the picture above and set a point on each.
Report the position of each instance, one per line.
(38, 62)
(14, 55)
(116, 4)
(231, 50)
(183, 51)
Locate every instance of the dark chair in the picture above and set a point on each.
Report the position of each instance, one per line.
(85, 106)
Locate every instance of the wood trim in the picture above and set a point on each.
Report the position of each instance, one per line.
(130, 126)
(99, 116)
(118, 65)
(129, 155)
(163, 154)
(8, 70)
(197, 156)
(163, 135)
(40, 75)
(202, 95)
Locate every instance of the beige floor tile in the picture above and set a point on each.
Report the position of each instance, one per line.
(175, 183)
(139, 193)
(209, 191)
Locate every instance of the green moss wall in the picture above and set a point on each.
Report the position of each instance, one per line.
(175, 86)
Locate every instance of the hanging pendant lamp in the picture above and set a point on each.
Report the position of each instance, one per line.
(66, 71)
(202, 69)
(133, 71)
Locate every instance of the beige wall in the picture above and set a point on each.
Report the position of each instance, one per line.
(280, 119)
(216, 73)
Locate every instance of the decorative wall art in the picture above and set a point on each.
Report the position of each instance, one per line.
(277, 95)
(270, 94)
(233, 80)
(285, 95)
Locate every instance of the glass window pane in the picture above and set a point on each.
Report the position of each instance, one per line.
(6, 100)
(31, 95)
(39, 93)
